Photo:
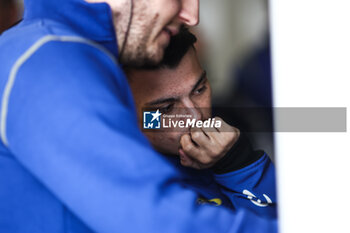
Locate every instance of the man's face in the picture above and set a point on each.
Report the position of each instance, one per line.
(182, 90)
(152, 24)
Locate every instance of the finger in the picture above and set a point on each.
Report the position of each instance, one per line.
(197, 154)
(224, 126)
(210, 132)
(213, 133)
(186, 161)
(226, 132)
(199, 137)
(189, 162)
(188, 146)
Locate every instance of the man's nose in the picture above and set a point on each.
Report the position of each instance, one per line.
(193, 111)
(189, 13)
(196, 114)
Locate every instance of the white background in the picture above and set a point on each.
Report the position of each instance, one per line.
(311, 68)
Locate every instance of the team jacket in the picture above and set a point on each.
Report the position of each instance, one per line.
(72, 158)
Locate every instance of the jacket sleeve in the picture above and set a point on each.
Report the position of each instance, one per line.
(71, 123)
(252, 187)
(248, 179)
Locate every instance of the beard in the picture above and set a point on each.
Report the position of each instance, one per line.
(139, 50)
(136, 46)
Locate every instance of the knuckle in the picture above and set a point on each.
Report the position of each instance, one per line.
(188, 147)
(196, 135)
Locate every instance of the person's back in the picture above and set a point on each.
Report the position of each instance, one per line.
(72, 157)
(48, 45)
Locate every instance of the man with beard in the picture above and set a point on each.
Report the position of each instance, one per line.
(72, 157)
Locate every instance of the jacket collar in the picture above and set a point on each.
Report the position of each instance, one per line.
(91, 20)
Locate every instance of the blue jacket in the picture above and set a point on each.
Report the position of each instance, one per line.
(72, 158)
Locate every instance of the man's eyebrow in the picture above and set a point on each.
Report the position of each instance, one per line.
(162, 101)
(202, 77)
(173, 99)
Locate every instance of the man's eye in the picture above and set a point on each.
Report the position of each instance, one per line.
(200, 90)
(167, 108)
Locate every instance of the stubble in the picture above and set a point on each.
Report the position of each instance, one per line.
(139, 48)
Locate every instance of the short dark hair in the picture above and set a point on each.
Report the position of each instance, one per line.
(178, 47)
(176, 50)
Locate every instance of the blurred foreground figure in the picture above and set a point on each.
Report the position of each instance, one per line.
(72, 156)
